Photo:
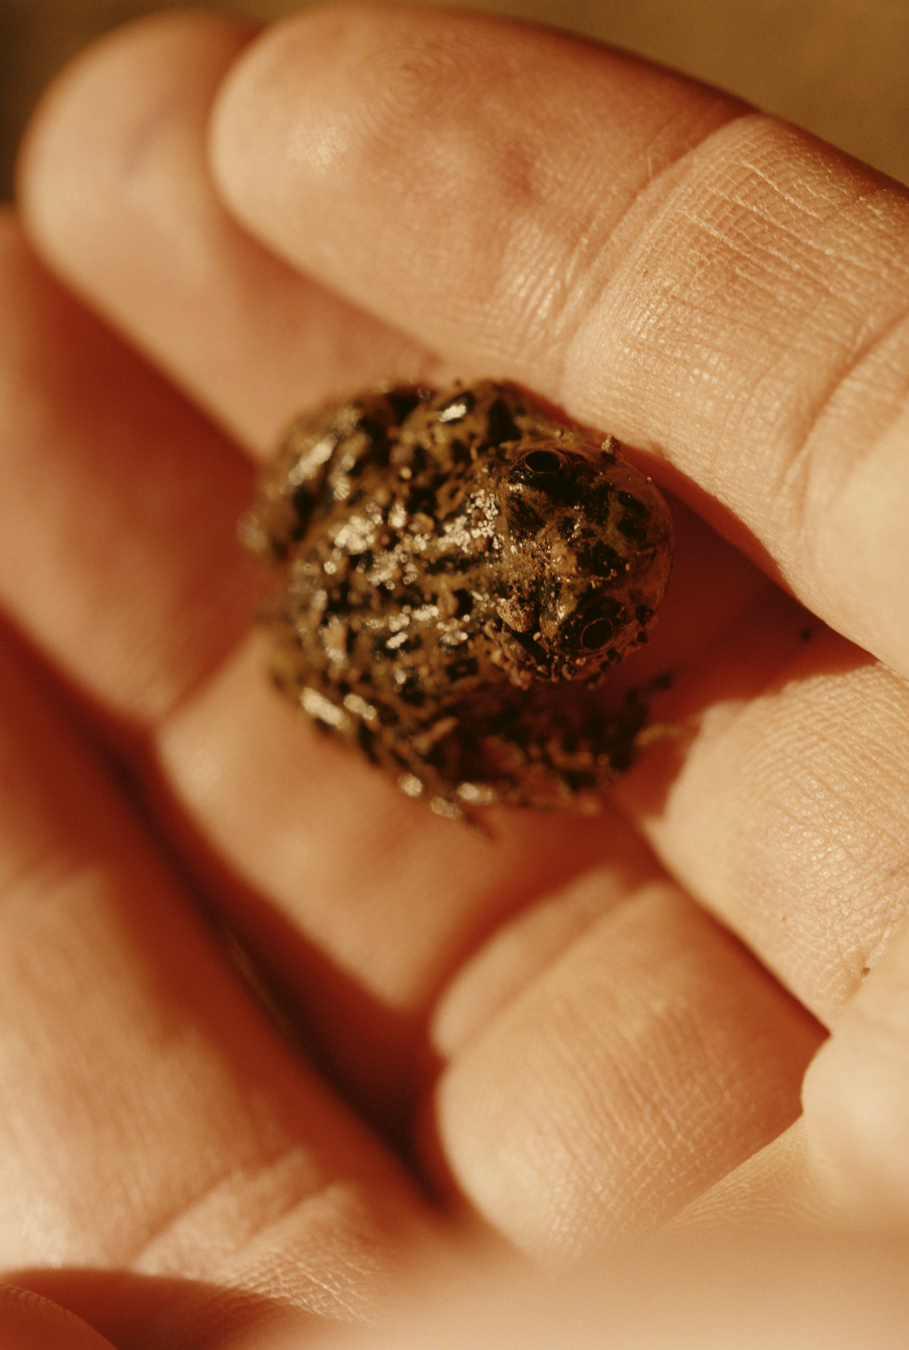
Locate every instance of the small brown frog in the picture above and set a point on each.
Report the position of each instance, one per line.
(458, 571)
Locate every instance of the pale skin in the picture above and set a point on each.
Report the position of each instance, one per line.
(552, 1034)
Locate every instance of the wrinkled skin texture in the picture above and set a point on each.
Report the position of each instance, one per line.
(453, 567)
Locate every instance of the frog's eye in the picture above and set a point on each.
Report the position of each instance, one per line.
(596, 634)
(545, 469)
(596, 626)
(543, 463)
(540, 466)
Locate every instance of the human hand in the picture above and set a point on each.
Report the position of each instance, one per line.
(544, 1020)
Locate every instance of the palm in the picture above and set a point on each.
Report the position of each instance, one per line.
(540, 1019)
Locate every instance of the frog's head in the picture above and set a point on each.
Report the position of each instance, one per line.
(587, 552)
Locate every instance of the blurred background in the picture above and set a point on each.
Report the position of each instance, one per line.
(838, 67)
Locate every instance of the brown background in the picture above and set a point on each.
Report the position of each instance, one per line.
(838, 67)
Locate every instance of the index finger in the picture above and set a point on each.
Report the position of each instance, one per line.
(710, 284)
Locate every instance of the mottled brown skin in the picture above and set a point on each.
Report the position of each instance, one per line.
(458, 572)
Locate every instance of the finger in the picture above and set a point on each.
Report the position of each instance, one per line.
(135, 225)
(713, 286)
(647, 1060)
(788, 813)
(156, 1134)
(28, 1322)
(844, 1164)
(136, 589)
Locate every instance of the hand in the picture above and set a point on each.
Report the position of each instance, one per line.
(544, 1022)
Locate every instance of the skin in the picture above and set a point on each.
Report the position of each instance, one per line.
(552, 1035)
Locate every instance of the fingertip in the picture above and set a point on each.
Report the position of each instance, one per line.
(118, 199)
(30, 1322)
(111, 98)
(309, 127)
(297, 56)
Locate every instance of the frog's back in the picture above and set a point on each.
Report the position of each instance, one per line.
(406, 619)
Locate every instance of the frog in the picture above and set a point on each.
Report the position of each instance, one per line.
(457, 571)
